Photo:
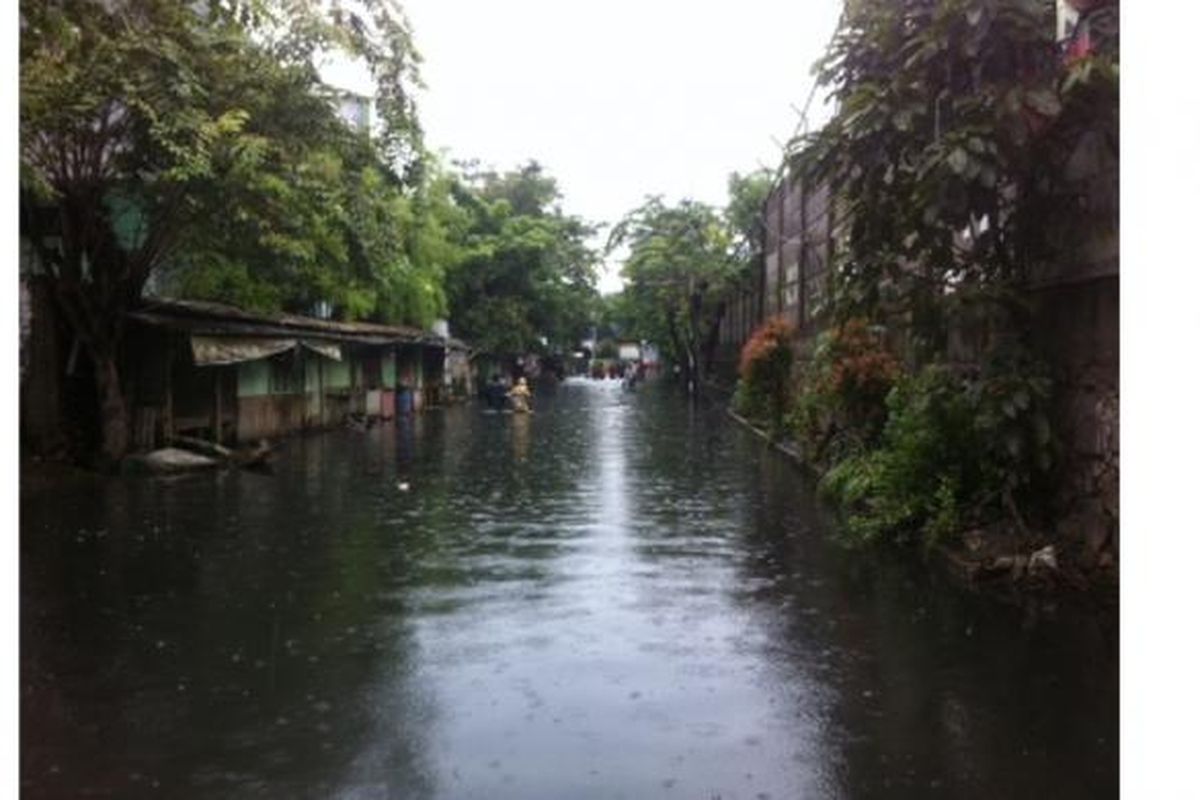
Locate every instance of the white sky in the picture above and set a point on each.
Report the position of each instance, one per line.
(620, 99)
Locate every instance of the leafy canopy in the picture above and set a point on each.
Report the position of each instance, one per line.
(525, 276)
(200, 136)
(956, 122)
(679, 262)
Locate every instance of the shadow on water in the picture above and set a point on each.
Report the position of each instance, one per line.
(621, 595)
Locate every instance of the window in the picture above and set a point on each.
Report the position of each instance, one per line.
(287, 375)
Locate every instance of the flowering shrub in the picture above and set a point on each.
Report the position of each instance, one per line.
(860, 370)
(844, 389)
(765, 372)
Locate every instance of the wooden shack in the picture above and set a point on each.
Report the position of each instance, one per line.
(231, 376)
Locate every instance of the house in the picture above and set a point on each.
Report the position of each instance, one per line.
(228, 375)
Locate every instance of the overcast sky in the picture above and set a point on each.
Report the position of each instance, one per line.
(619, 99)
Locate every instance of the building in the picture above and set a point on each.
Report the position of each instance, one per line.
(629, 350)
(354, 110)
(231, 376)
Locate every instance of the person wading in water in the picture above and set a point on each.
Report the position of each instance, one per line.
(519, 397)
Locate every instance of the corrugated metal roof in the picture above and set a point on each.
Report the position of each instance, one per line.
(216, 319)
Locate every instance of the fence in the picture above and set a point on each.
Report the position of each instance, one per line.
(1075, 304)
(790, 278)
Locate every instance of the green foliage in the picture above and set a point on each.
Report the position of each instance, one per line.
(955, 125)
(326, 222)
(842, 392)
(928, 453)
(213, 127)
(679, 263)
(524, 279)
(744, 215)
(765, 371)
(156, 132)
(957, 122)
(956, 450)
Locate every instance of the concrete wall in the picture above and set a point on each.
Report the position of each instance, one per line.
(1075, 304)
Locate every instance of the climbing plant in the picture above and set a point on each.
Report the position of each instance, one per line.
(954, 152)
(956, 122)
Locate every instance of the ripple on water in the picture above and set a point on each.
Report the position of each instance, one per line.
(622, 593)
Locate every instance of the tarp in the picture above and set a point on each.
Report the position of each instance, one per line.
(216, 350)
(327, 349)
(213, 350)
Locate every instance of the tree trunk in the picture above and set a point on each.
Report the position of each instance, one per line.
(713, 338)
(683, 350)
(114, 419)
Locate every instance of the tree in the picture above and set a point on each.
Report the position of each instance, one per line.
(744, 214)
(136, 117)
(319, 219)
(525, 279)
(956, 122)
(679, 263)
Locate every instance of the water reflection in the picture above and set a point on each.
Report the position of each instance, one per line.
(619, 596)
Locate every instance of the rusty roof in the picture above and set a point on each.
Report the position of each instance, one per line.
(216, 319)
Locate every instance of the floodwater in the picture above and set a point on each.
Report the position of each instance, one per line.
(622, 596)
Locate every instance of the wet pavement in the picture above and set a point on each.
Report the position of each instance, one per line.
(621, 596)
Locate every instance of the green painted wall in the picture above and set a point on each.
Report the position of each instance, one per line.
(387, 371)
(337, 375)
(254, 378)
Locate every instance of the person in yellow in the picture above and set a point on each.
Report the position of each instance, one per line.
(519, 397)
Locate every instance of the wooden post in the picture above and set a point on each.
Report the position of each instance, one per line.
(169, 401)
(217, 405)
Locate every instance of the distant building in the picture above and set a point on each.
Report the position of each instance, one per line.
(629, 350)
(355, 110)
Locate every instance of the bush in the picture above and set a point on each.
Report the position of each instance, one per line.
(927, 445)
(955, 451)
(842, 403)
(765, 372)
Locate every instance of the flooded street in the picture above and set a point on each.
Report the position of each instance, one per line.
(622, 596)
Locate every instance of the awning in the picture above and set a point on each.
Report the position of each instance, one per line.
(327, 349)
(217, 350)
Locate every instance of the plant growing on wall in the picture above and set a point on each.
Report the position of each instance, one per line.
(956, 121)
(952, 151)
